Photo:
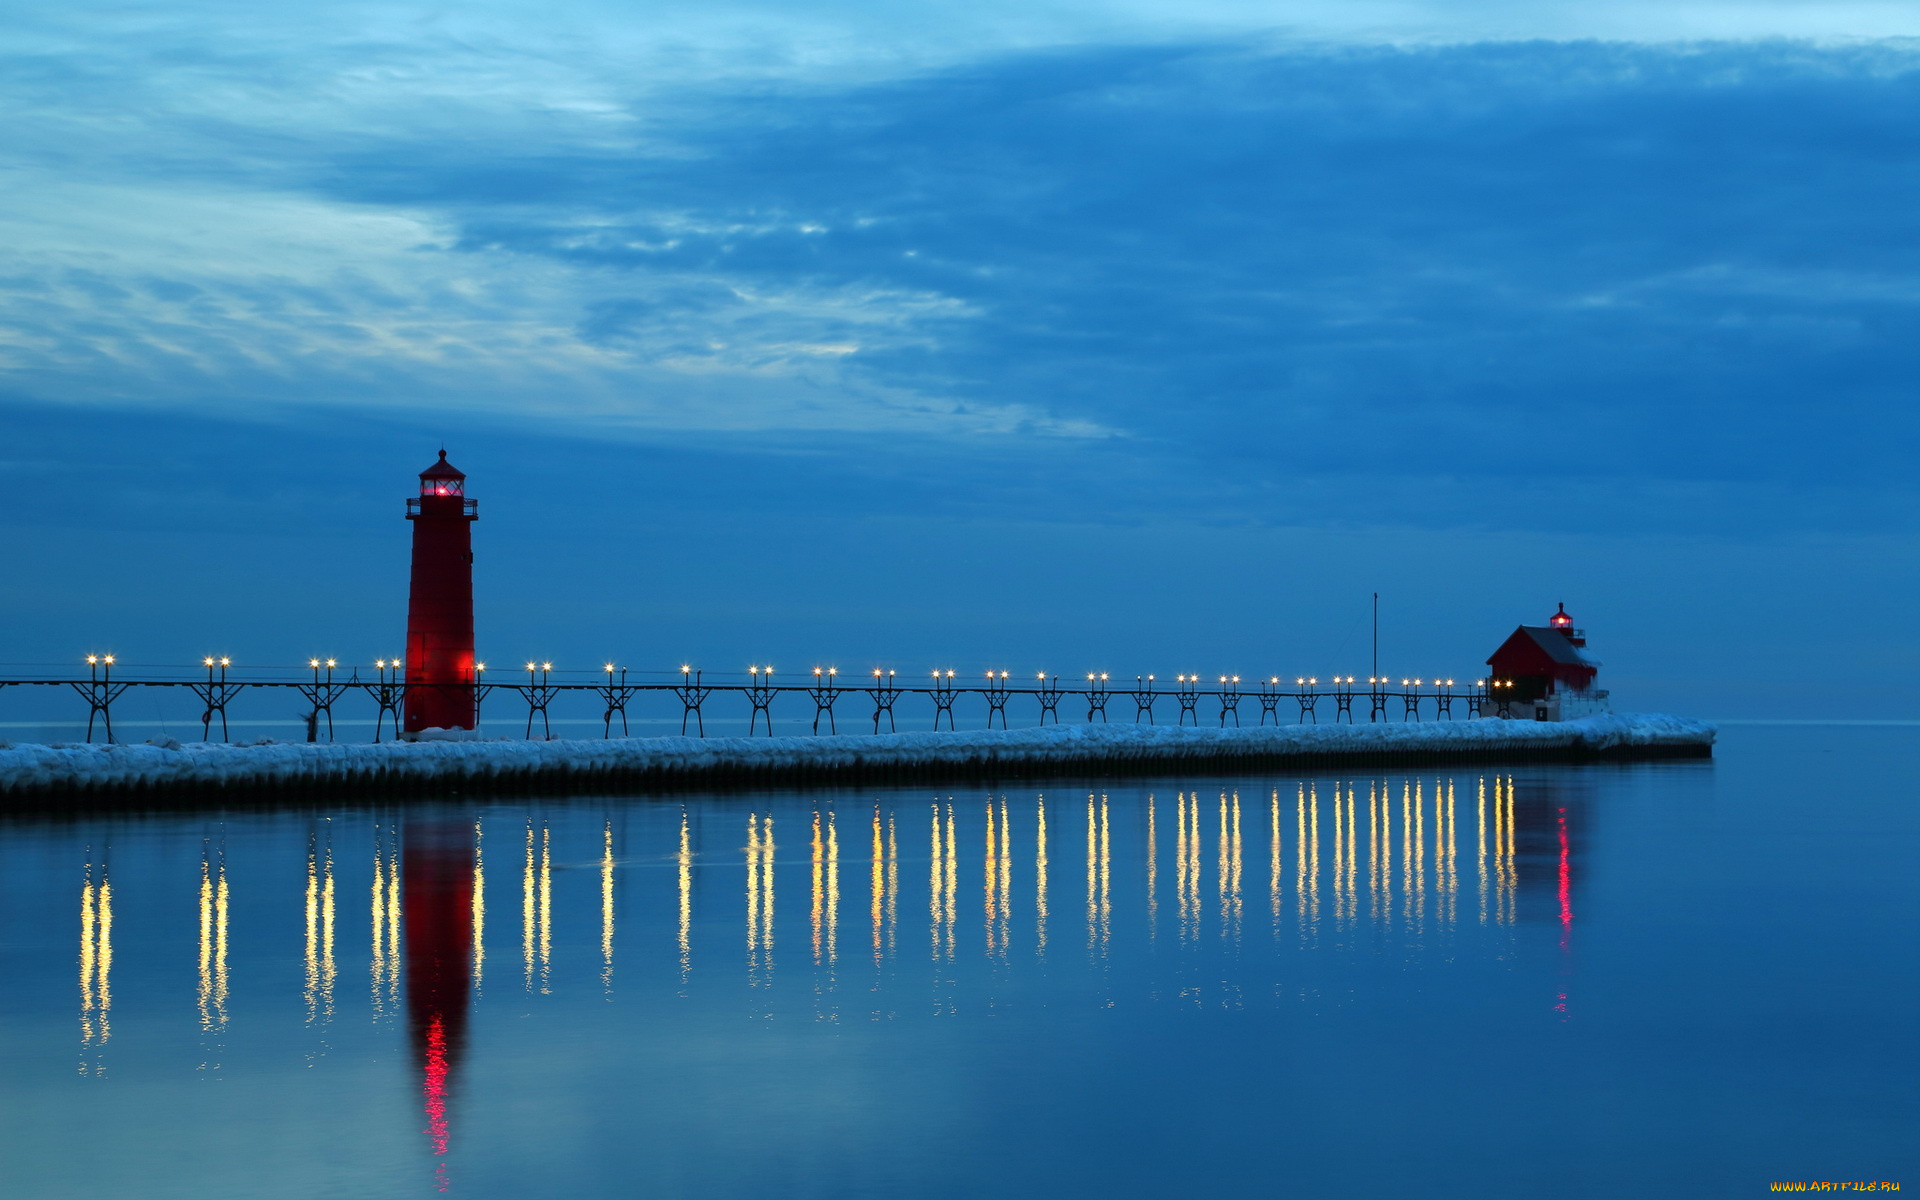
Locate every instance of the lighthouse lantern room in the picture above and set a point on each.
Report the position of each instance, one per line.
(440, 603)
(443, 479)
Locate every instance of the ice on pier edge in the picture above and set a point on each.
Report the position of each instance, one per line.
(32, 767)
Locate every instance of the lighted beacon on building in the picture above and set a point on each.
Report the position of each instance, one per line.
(1542, 672)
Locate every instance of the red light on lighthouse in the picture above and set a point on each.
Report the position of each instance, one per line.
(440, 602)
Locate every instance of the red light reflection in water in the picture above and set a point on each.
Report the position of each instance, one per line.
(1566, 909)
(437, 874)
(1566, 884)
(436, 1086)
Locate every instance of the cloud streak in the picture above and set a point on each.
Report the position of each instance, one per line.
(1493, 272)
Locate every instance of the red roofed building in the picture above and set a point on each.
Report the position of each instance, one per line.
(1541, 672)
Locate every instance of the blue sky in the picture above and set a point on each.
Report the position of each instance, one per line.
(973, 333)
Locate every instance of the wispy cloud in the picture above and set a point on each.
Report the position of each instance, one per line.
(1491, 267)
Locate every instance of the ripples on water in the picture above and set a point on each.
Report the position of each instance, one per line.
(1122, 990)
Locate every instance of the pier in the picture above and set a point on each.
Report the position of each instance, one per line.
(148, 773)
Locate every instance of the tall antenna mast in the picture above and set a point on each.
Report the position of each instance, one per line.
(1376, 633)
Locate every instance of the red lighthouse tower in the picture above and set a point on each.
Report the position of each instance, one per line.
(440, 604)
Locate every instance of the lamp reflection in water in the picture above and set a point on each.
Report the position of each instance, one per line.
(606, 908)
(936, 876)
(818, 863)
(1313, 857)
(212, 994)
(1412, 817)
(1273, 859)
(1373, 850)
(990, 884)
(320, 970)
(1093, 876)
(1106, 878)
(1306, 867)
(1480, 827)
(943, 883)
(1230, 905)
(826, 911)
(950, 866)
(683, 862)
(826, 892)
(433, 942)
(1407, 854)
(884, 885)
(96, 966)
(1506, 876)
(1153, 870)
(437, 873)
(877, 890)
(943, 899)
(893, 885)
(536, 909)
(759, 900)
(1350, 886)
(998, 879)
(1340, 852)
(1346, 849)
(384, 902)
(479, 909)
(1417, 859)
(1187, 847)
(1353, 858)
(1040, 876)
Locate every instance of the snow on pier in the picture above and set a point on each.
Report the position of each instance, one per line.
(464, 766)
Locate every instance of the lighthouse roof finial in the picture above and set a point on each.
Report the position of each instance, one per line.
(442, 470)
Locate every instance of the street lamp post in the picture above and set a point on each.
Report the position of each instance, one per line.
(826, 689)
(99, 693)
(216, 692)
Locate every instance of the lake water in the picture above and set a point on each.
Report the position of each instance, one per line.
(1669, 979)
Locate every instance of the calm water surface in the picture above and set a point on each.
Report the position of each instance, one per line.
(1679, 979)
